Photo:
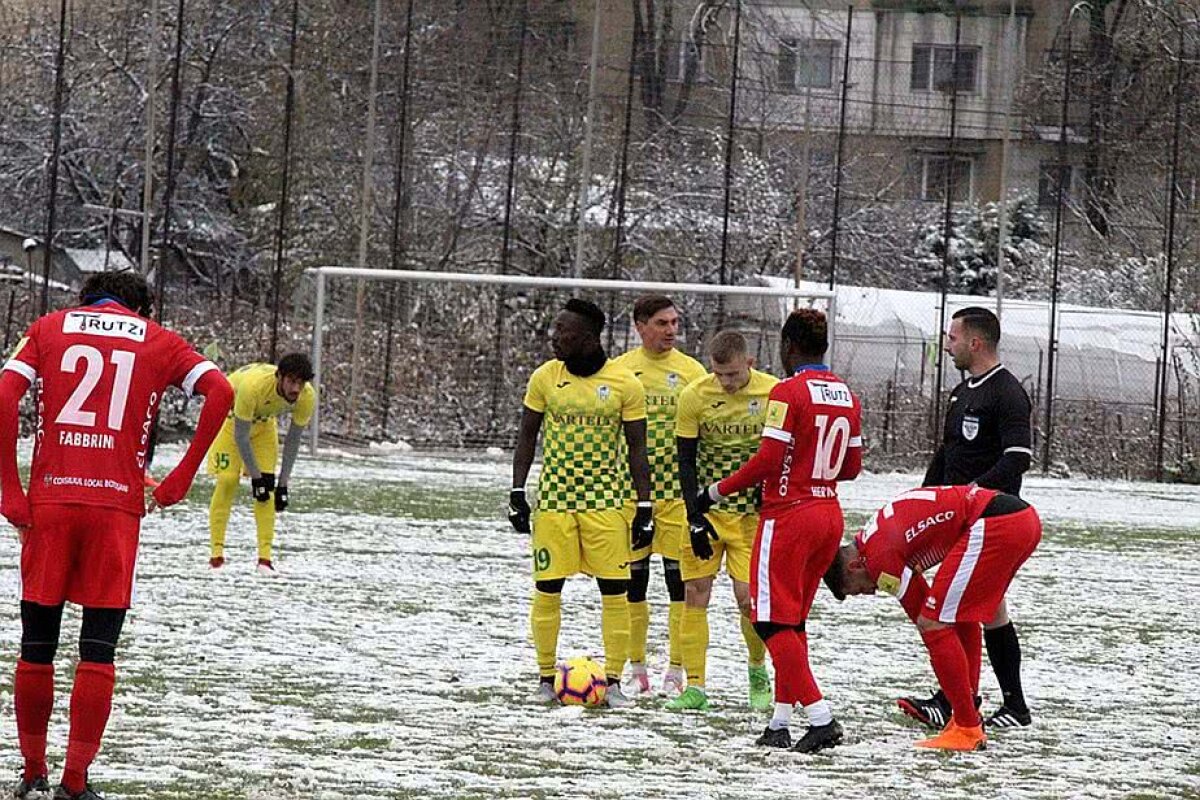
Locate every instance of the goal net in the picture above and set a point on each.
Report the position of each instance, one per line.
(443, 358)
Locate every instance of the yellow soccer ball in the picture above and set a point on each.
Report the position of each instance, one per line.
(580, 682)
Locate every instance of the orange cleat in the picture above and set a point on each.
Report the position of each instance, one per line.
(954, 737)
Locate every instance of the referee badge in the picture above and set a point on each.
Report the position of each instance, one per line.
(970, 428)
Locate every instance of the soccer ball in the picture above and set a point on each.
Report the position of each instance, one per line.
(580, 682)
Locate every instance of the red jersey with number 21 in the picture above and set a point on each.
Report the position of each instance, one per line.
(100, 372)
(819, 420)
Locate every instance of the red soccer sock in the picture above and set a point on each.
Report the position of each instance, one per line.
(33, 698)
(91, 702)
(970, 635)
(794, 681)
(950, 665)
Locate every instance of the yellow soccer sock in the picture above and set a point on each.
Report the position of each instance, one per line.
(674, 618)
(545, 615)
(639, 623)
(756, 649)
(614, 627)
(693, 643)
(264, 521)
(219, 509)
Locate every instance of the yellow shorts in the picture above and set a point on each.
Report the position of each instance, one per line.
(735, 542)
(670, 528)
(566, 543)
(224, 457)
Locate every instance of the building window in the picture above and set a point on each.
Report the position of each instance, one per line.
(929, 174)
(933, 68)
(680, 51)
(1048, 179)
(806, 63)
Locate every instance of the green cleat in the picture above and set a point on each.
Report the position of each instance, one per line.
(692, 699)
(761, 698)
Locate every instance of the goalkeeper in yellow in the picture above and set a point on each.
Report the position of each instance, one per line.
(663, 372)
(584, 405)
(718, 428)
(249, 443)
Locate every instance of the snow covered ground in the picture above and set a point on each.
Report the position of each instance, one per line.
(391, 659)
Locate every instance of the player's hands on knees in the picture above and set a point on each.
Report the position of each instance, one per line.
(703, 534)
(281, 498)
(262, 486)
(643, 525)
(518, 511)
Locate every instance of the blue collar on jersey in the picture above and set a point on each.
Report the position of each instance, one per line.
(100, 298)
(807, 367)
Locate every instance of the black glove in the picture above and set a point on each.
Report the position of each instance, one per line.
(643, 526)
(281, 498)
(702, 534)
(518, 511)
(262, 487)
(703, 502)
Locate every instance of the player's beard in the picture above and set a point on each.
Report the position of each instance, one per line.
(587, 364)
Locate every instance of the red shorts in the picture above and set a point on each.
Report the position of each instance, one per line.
(792, 551)
(84, 554)
(975, 574)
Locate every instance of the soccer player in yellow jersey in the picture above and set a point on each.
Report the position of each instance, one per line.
(249, 443)
(663, 372)
(718, 428)
(584, 405)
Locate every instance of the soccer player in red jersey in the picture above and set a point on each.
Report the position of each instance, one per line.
(100, 370)
(812, 439)
(981, 537)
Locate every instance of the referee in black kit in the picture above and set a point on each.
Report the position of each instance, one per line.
(988, 441)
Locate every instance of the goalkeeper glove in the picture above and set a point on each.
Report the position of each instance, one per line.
(262, 486)
(281, 498)
(704, 499)
(702, 534)
(518, 511)
(643, 525)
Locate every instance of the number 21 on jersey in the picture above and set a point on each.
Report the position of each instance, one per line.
(89, 360)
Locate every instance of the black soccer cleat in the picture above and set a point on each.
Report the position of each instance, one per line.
(933, 711)
(819, 737)
(34, 789)
(87, 794)
(1005, 717)
(775, 737)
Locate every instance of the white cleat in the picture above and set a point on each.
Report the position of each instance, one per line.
(545, 694)
(673, 682)
(639, 680)
(615, 698)
(266, 568)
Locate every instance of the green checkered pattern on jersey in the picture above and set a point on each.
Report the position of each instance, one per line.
(582, 466)
(716, 460)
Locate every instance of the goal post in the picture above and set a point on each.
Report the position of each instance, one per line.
(460, 346)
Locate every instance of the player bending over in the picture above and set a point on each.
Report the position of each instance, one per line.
(101, 369)
(583, 404)
(663, 371)
(249, 443)
(981, 537)
(811, 439)
(717, 429)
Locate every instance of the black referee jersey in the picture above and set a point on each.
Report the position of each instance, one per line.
(988, 438)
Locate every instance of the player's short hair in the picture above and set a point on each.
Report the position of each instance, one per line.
(981, 322)
(808, 330)
(589, 311)
(125, 286)
(835, 576)
(648, 305)
(295, 365)
(726, 346)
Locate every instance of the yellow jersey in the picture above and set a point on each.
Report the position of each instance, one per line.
(663, 376)
(255, 399)
(582, 434)
(728, 426)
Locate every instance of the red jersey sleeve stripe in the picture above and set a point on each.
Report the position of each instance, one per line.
(189, 382)
(21, 368)
(776, 433)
